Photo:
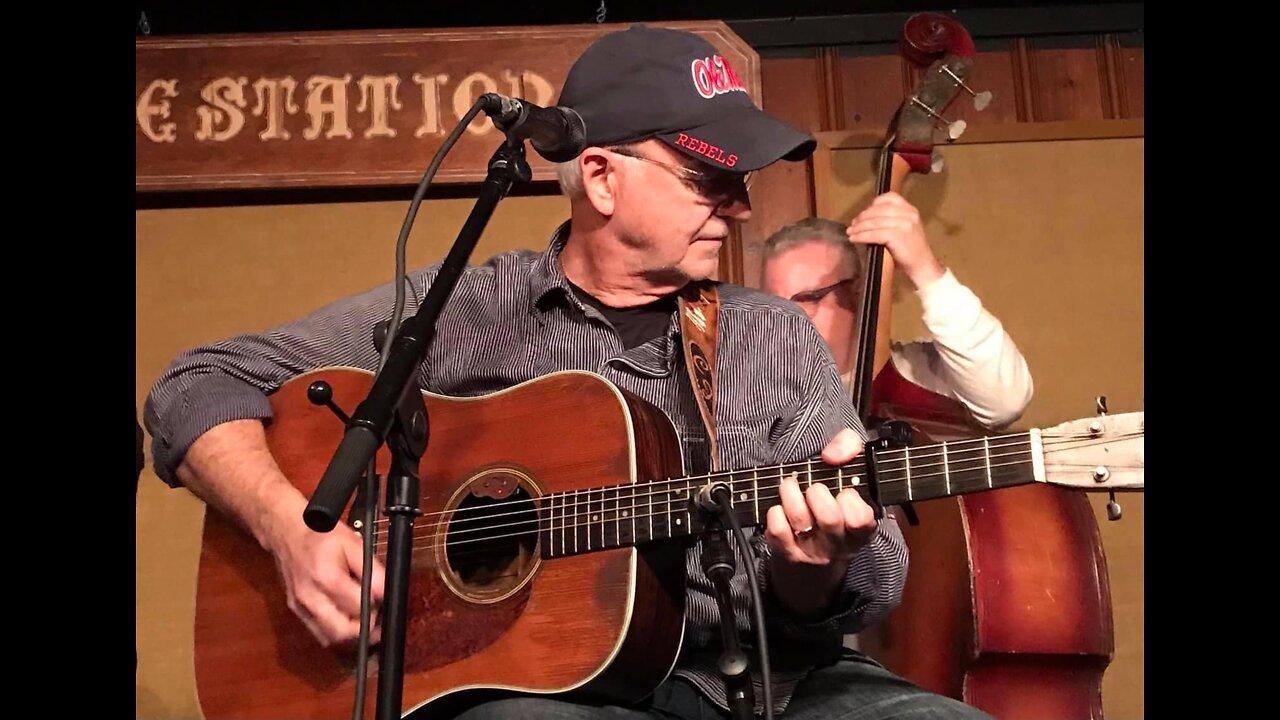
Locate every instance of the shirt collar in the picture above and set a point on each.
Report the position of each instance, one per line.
(547, 276)
(548, 279)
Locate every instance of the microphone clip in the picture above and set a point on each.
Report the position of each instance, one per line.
(505, 112)
(558, 134)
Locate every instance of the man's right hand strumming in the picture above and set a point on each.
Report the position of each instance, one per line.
(231, 468)
(321, 573)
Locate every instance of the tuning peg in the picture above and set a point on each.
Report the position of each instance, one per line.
(1101, 474)
(1100, 405)
(1113, 509)
(936, 162)
(954, 129)
(980, 99)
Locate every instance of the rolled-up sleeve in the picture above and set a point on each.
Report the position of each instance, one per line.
(230, 379)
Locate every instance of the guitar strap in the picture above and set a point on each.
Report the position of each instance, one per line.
(699, 322)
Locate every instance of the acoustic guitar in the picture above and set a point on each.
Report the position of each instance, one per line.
(549, 556)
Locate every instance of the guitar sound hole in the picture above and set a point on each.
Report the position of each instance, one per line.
(491, 545)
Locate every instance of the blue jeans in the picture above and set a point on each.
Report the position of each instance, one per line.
(849, 690)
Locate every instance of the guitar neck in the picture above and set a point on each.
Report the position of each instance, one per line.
(594, 519)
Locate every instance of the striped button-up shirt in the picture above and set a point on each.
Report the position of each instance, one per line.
(513, 319)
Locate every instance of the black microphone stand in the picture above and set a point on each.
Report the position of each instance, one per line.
(394, 410)
(407, 441)
(720, 563)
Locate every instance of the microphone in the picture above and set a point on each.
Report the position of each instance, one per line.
(557, 133)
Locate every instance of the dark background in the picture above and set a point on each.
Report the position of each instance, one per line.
(763, 24)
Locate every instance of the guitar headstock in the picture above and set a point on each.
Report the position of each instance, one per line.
(1104, 453)
(944, 48)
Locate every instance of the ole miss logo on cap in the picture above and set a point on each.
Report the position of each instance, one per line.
(714, 76)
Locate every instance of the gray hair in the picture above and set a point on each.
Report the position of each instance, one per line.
(816, 230)
(569, 174)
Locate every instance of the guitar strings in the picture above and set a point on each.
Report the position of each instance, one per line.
(567, 528)
(569, 532)
(668, 486)
(598, 501)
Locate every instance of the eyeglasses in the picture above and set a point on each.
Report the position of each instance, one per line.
(814, 296)
(718, 186)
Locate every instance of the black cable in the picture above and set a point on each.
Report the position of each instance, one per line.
(722, 498)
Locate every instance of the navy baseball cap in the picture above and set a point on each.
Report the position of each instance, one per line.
(646, 82)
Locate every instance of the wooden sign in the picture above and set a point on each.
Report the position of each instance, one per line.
(350, 108)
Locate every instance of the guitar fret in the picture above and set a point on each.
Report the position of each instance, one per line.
(585, 521)
(618, 514)
(617, 517)
(551, 524)
(615, 513)
(688, 516)
(986, 451)
(609, 515)
(634, 538)
(946, 468)
(592, 518)
(906, 458)
(673, 511)
(575, 521)
(839, 479)
(649, 497)
(603, 517)
(677, 509)
(681, 510)
(755, 489)
(740, 496)
(666, 512)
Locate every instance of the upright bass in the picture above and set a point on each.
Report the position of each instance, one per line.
(1007, 604)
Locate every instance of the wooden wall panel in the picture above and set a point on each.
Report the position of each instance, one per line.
(860, 87)
(791, 91)
(1134, 76)
(1065, 80)
(874, 85)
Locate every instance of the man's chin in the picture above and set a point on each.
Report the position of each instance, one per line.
(702, 267)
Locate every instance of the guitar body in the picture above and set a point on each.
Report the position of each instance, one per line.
(605, 624)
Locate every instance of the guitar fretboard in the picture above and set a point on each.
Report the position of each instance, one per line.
(588, 520)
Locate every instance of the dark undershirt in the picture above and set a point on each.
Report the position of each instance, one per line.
(635, 325)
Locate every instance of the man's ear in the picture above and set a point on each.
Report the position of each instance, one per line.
(599, 179)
